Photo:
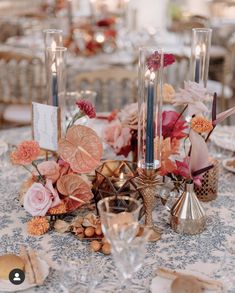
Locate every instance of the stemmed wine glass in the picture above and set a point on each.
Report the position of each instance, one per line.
(120, 217)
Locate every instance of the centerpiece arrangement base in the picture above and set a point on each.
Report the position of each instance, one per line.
(147, 181)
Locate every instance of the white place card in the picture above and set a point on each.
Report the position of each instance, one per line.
(46, 126)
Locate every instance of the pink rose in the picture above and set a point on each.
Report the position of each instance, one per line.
(50, 169)
(38, 199)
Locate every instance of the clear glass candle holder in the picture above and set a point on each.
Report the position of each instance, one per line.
(200, 55)
(53, 37)
(150, 107)
(55, 67)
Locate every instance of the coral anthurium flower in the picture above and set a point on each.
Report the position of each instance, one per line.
(75, 190)
(81, 148)
(201, 124)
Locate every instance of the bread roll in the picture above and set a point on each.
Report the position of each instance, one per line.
(186, 285)
(9, 262)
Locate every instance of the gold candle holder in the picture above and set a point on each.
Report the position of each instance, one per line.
(147, 183)
(209, 189)
(115, 177)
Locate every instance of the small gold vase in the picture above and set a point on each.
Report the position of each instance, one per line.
(187, 214)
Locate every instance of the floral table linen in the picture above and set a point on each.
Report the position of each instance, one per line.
(202, 253)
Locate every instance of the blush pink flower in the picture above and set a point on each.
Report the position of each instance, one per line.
(118, 137)
(194, 95)
(172, 125)
(26, 153)
(38, 199)
(49, 169)
(87, 108)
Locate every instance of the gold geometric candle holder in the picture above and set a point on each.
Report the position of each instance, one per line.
(115, 177)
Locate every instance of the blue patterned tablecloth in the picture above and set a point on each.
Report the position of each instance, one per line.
(203, 253)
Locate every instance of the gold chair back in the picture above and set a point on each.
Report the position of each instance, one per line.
(115, 87)
(22, 78)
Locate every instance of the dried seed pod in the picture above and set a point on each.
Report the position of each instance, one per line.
(79, 231)
(89, 231)
(95, 245)
(106, 248)
(104, 240)
(98, 230)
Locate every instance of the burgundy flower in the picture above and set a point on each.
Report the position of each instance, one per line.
(172, 125)
(87, 108)
(183, 168)
(154, 60)
(168, 59)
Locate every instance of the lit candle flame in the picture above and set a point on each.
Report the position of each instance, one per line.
(53, 46)
(53, 67)
(150, 74)
(198, 50)
(121, 177)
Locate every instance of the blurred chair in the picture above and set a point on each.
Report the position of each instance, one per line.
(178, 72)
(21, 82)
(115, 87)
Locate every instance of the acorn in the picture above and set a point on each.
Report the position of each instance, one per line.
(89, 231)
(106, 248)
(95, 245)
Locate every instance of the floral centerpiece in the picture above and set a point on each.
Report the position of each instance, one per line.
(59, 186)
(185, 156)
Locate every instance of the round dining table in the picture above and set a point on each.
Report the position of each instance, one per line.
(203, 253)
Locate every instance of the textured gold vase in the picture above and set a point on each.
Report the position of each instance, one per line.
(187, 214)
(209, 189)
(147, 183)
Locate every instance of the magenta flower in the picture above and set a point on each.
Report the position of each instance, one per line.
(87, 108)
(183, 168)
(172, 125)
(154, 60)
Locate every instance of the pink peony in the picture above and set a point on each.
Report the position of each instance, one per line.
(38, 199)
(49, 169)
(172, 125)
(87, 108)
